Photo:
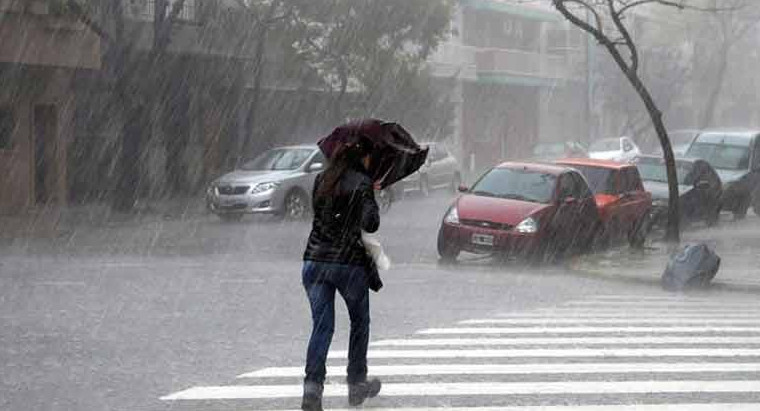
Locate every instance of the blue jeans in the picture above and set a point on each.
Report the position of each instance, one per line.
(320, 281)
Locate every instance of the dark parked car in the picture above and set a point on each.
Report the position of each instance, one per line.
(528, 210)
(735, 156)
(680, 140)
(699, 189)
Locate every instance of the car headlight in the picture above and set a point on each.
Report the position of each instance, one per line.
(452, 217)
(527, 226)
(264, 187)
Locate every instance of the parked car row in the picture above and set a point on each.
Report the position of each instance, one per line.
(537, 210)
(544, 211)
(279, 182)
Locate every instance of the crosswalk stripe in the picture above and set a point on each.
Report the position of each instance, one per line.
(558, 353)
(675, 298)
(539, 321)
(579, 330)
(474, 389)
(680, 304)
(624, 315)
(692, 340)
(638, 407)
(520, 369)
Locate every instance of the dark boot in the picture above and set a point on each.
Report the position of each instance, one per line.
(312, 396)
(357, 393)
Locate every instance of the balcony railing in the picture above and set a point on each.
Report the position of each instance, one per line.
(564, 65)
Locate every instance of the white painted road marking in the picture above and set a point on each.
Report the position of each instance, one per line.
(642, 407)
(651, 304)
(584, 330)
(516, 369)
(474, 389)
(645, 340)
(575, 313)
(558, 353)
(573, 321)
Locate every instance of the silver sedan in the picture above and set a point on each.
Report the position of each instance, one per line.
(279, 182)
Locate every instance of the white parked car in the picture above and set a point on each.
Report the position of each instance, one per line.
(621, 149)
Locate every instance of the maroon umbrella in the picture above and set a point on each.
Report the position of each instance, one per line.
(394, 152)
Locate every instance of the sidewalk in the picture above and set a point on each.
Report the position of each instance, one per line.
(54, 222)
(736, 242)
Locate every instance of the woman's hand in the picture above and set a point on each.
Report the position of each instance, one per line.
(377, 185)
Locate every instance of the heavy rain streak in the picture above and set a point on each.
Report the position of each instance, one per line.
(412, 205)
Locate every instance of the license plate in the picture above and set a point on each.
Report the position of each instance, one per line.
(482, 239)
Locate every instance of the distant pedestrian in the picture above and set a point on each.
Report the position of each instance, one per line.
(336, 259)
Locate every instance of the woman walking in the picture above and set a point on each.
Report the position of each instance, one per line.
(336, 260)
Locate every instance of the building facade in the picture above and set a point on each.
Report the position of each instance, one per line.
(39, 55)
(520, 79)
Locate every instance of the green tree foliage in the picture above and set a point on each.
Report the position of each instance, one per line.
(372, 52)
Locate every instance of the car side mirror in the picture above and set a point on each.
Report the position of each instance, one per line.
(463, 188)
(702, 185)
(316, 167)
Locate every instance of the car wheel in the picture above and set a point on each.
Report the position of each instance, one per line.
(230, 218)
(447, 251)
(384, 200)
(741, 209)
(424, 185)
(637, 236)
(296, 206)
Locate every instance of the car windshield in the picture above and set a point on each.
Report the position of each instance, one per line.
(654, 170)
(722, 156)
(600, 180)
(609, 144)
(518, 184)
(278, 159)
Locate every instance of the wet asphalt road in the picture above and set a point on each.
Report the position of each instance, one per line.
(113, 317)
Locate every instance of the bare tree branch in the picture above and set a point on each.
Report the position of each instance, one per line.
(616, 19)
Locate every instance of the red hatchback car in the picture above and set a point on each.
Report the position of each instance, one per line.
(538, 211)
(622, 201)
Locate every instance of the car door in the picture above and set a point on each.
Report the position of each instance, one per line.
(586, 216)
(755, 167)
(312, 170)
(562, 223)
(634, 200)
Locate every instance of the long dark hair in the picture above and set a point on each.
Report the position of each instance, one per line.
(343, 158)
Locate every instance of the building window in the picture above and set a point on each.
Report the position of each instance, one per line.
(145, 9)
(7, 124)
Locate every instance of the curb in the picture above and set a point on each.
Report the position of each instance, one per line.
(724, 285)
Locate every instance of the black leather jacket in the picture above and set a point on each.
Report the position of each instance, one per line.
(338, 220)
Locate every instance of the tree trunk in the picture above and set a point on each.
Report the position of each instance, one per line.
(672, 232)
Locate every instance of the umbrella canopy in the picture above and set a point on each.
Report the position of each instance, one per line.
(394, 152)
